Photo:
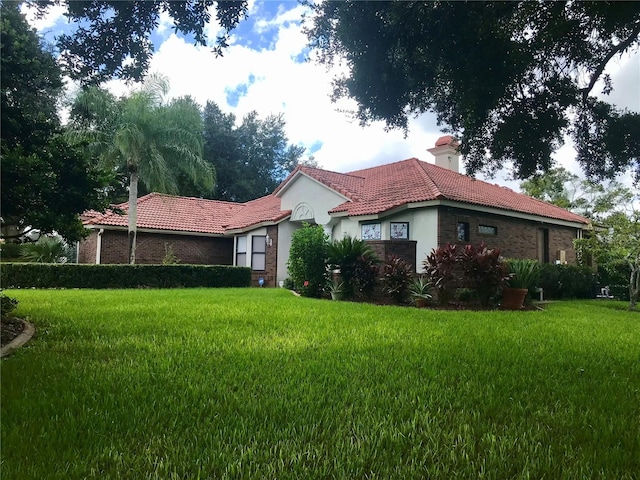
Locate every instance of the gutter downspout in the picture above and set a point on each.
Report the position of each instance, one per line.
(99, 246)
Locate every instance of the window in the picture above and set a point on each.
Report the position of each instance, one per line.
(487, 230)
(463, 232)
(258, 252)
(399, 230)
(241, 251)
(371, 231)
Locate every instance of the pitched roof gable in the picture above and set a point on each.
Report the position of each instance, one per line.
(347, 185)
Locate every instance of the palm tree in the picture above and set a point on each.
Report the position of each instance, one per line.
(45, 250)
(149, 139)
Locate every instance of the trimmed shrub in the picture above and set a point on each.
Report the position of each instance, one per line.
(615, 275)
(307, 257)
(567, 281)
(66, 275)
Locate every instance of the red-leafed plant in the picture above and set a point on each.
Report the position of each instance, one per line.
(483, 270)
(397, 275)
(440, 266)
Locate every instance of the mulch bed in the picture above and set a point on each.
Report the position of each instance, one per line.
(10, 328)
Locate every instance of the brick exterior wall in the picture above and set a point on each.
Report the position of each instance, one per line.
(152, 249)
(516, 238)
(271, 261)
(405, 249)
(87, 248)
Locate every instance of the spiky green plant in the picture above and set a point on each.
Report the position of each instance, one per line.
(45, 250)
(350, 255)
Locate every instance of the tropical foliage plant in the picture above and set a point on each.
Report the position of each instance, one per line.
(353, 257)
(524, 273)
(365, 275)
(420, 288)
(45, 250)
(440, 267)
(482, 269)
(397, 275)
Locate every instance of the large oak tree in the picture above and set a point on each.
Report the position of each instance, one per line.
(251, 158)
(112, 38)
(511, 79)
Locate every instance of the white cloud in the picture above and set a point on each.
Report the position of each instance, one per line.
(51, 17)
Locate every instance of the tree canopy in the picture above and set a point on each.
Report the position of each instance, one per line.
(594, 200)
(510, 79)
(45, 182)
(250, 159)
(111, 39)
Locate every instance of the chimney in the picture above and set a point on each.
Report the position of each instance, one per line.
(446, 153)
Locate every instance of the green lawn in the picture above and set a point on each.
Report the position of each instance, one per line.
(251, 383)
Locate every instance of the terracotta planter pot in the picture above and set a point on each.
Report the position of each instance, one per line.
(420, 302)
(513, 298)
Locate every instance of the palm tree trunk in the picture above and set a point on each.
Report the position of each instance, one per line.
(133, 214)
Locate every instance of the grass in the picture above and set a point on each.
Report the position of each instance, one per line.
(228, 384)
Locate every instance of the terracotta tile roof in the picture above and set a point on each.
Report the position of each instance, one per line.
(187, 214)
(409, 181)
(370, 191)
(260, 210)
(165, 212)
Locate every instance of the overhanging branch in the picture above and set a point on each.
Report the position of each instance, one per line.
(621, 47)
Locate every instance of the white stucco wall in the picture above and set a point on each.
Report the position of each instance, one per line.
(285, 231)
(423, 227)
(304, 194)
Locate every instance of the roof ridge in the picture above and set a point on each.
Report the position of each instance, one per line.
(434, 186)
(185, 197)
(348, 174)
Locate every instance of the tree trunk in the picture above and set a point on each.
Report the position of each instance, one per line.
(634, 287)
(133, 214)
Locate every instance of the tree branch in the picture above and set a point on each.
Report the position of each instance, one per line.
(621, 47)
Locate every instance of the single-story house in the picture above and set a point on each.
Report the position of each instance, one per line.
(405, 208)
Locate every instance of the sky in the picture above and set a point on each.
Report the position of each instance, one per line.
(267, 69)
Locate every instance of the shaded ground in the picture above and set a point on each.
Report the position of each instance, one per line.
(10, 328)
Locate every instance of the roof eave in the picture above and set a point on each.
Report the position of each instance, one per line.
(121, 228)
(253, 226)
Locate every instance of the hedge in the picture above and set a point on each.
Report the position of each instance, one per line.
(567, 281)
(72, 275)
